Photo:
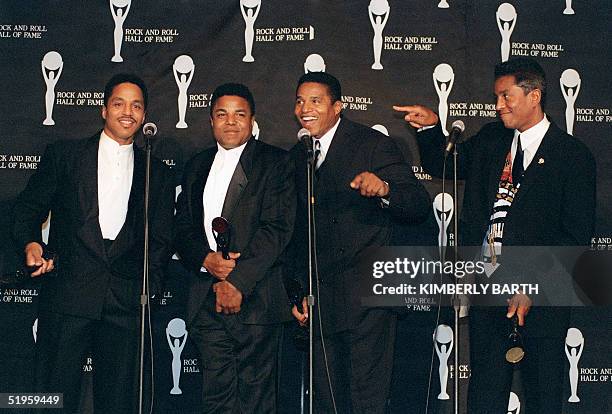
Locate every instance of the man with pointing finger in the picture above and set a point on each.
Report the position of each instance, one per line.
(235, 306)
(362, 182)
(520, 191)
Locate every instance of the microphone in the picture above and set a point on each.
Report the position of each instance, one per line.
(221, 232)
(304, 136)
(149, 129)
(456, 129)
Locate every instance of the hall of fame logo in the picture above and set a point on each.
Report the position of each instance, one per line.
(19, 162)
(472, 109)
(568, 7)
(443, 208)
(506, 17)
(18, 295)
(52, 66)
(314, 63)
(421, 174)
(514, 404)
(250, 9)
(119, 10)
(356, 103)
(443, 344)
(378, 11)
(443, 79)
(506, 20)
(176, 335)
(570, 87)
(23, 31)
(183, 70)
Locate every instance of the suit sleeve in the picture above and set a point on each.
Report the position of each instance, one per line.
(275, 227)
(33, 204)
(190, 241)
(431, 149)
(161, 224)
(408, 199)
(579, 198)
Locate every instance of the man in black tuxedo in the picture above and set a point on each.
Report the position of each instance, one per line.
(362, 182)
(527, 184)
(236, 306)
(94, 189)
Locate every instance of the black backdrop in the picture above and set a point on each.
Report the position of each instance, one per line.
(422, 43)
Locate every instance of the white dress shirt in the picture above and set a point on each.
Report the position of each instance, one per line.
(115, 172)
(217, 183)
(530, 140)
(325, 142)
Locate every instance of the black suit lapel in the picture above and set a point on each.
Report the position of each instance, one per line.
(87, 188)
(239, 180)
(338, 158)
(537, 167)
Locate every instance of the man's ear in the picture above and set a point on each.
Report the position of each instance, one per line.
(337, 107)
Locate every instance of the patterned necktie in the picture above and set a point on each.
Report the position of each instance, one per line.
(517, 163)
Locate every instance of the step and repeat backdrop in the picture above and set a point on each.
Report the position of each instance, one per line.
(57, 56)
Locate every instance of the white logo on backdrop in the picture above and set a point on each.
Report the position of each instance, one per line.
(506, 19)
(514, 404)
(443, 343)
(443, 4)
(183, 70)
(574, 344)
(255, 130)
(378, 10)
(250, 10)
(119, 10)
(443, 79)
(381, 128)
(570, 87)
(314, 63)
(443, 210)
(174, 331)
(35, 329)
(568, 7)
(52, 66)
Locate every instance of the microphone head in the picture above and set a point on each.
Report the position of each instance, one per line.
(303, 133)
(458, 124)
(220, 225)
(149, 129)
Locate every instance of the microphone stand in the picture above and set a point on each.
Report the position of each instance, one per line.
(311, 246)
(456, 301)
(144, 295)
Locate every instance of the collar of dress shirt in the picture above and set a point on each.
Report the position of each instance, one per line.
(327, 138)
(530, 140)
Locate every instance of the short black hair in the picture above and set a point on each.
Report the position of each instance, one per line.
(333, 85)
(123, 78)
(233, 89)
(528, 74)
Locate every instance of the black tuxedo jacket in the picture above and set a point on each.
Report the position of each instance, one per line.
(346, 222)
(260, 207)
(554, 206)
(66, 183)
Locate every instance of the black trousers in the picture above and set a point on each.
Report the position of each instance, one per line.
(64, 341)
(239, 362)
(360, 364)
(541, 370)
